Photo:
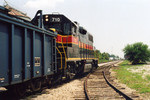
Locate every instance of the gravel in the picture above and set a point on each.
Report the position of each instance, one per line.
(66, 91)
(143, 70)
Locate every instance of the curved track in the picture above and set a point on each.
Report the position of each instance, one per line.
(117, 90)
(98, 86)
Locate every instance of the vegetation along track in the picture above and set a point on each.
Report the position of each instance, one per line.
(99, 85)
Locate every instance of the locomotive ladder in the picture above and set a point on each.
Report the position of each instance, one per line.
(54, 63)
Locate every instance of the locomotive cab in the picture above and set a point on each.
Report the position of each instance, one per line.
(62, 24)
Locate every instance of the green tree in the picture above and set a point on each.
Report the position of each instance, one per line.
(137, 53)
(97, 54)
(101, 56)
(105, 56)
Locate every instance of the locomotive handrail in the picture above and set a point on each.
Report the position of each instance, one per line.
(64, 54)
(60, 55)
(40, 24)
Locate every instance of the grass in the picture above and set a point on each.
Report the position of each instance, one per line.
(148, 77)
(132, 80)
(103, 61)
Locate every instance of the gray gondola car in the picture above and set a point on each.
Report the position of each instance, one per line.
(26, 52)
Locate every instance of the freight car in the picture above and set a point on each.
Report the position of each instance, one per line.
(46, 49)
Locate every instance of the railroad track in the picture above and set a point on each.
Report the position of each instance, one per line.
(100, 86)
(82, 95)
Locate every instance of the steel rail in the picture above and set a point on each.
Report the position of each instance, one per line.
(107, 81)
(86, 91)
(117, 90)
(85, 82)
(85, 88)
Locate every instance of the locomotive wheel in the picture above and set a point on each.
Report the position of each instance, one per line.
(70, 74)
(80, 69)
(36, 85)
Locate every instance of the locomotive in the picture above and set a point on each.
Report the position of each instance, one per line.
(46, 49)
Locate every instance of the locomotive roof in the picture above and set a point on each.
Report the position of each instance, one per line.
(74, 23)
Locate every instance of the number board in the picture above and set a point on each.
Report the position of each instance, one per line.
(55, 19)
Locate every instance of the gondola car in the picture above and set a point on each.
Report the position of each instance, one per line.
(27, 54)
(46, 49)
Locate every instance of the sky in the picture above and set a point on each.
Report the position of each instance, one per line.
(113, 23)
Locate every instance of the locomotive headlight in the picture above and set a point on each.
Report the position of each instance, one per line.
(46, 18)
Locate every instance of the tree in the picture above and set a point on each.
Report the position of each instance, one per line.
(96, 53)
(137, 53)
(101, 56)
(114, 57)
(105, 56)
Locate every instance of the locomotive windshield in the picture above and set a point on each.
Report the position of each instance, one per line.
(57, 26)
(61, 23)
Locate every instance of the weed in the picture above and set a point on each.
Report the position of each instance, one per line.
(133, 80)
(148, 77)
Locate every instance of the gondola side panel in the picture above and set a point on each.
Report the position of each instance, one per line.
(4, 52)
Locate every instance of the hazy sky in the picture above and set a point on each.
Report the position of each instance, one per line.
(113, 23)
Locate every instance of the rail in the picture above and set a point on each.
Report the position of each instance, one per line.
(117, 90)
(85, 88)
(107, 81)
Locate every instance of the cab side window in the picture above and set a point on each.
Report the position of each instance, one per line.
(67, 29)
(74, 30)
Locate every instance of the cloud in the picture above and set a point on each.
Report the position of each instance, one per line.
(41, 3)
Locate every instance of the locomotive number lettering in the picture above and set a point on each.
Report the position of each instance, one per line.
(55, 19)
